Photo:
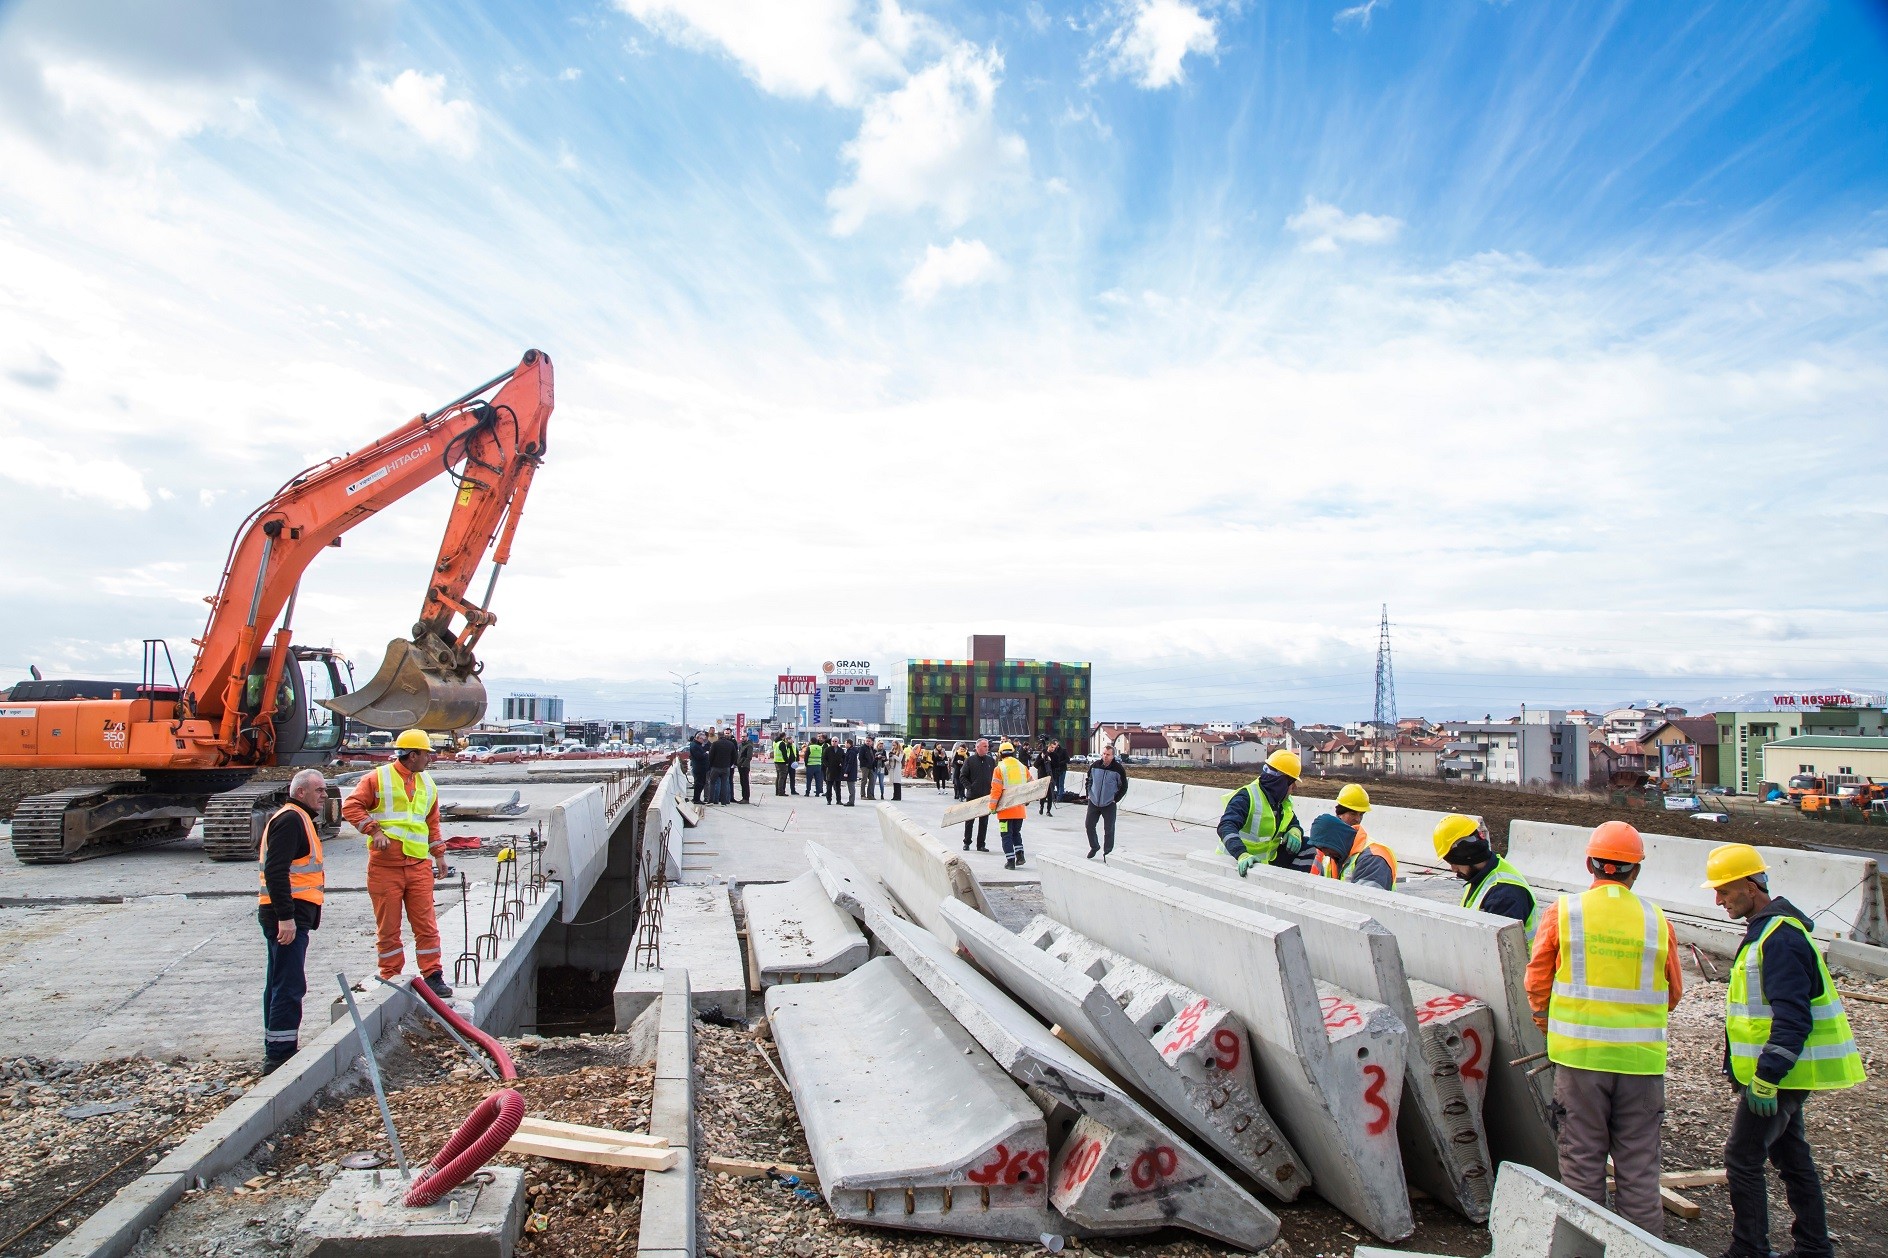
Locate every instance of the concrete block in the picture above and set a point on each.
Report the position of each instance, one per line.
(360, 1216)
(697, 936)
(1334, 1090)
(1444, 1151)
(1115, 1167)
(1459, 950)
(1179, 1049)
(910, 1122)
(1862, 958)
(1465, 1029)
(920, 870)
(796, 933)
(846, 886)
(669, 1198)
(115, 1227)
(1536, 1217)
(1843, 893)
(461, 803)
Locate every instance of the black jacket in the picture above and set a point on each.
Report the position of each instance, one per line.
(978, 770)
(1791, 979)
(834, 765)
(1505, 899)
(721, 755)
(744, 753)
(1059, 760)
(697, 757)
(285, 843)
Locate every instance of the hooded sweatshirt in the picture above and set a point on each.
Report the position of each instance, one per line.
(1332, 836)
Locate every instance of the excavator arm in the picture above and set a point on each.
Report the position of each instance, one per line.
(490, 448)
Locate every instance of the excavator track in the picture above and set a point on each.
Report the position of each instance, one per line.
(40, 825)
(232, 824)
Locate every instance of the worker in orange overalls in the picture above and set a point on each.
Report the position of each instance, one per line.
(397, 808)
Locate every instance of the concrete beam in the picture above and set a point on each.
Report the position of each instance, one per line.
(1536, 1217)
(1465, 1027)
(1175, 1046)
(1459, 950)
(1444, 1151)
(697, 936)
(1116, 1168)
(847, 887)
(669, 1198)
(910, 1123)
(460, 803)
(920, 871)
(1334, 1088)
(1013, 797)
(796, 934)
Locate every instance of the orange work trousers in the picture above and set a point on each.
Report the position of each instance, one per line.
(408, 887)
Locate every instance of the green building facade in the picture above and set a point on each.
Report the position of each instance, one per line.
(963, 700)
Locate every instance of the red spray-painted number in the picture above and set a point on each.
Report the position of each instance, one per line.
(1339, 1013)
(1373, 1096)
(1226, 1048)
(1186, 1027)
(1472, 1068)
(1153, 1166)
(1081, 1164)
(1005, 1167)
(1437, 1006)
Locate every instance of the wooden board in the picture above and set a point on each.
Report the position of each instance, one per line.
(1013, 797)
(746, 1168)
(1683, 1207)
(550, 1127)
(596, 1153)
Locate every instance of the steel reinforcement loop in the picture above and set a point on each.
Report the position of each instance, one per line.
(486, 1129)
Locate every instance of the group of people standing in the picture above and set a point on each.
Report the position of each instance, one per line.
(716, 760)
(835, 767)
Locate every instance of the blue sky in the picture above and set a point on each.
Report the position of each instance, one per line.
(1174, 335)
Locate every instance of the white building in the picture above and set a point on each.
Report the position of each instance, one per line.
(1544, 748)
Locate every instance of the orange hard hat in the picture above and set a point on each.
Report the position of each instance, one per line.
(1618, 842)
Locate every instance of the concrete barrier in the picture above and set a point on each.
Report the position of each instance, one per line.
(1459, 950)
(1536, 1217)
(666, 1226)
(1182, 1051)
(910, 1122)
(920, 870)
(1334, 1087)
(848, 888)
(697, 936)
(1465, 1027)
(1116, 1168)
(664, 824)
(1843, 893)
(796, 934)
(459, 803)
(1444, 1151)
(1404, 831)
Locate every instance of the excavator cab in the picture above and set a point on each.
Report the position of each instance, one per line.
(307, 730)
(421, 684)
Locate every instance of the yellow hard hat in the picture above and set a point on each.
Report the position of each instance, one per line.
(413, 740)
(1005, 746)
(1451, 830)
(1731, 861)
(1354, 797)
(1286, 762)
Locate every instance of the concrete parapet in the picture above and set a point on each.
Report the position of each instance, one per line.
(1843, 893)
(1334, 1091)
(795, 933)
(910, 1122)
(1181, 1050)
(920, 870)
(577, 836)
(459, 803)
(1459, 950)
(697, 936)
(847, 887)
(1444, 1151)
(669, 1198)
(1116, 1168)
(664, 825)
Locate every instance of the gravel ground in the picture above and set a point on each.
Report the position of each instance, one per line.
(53, 1140)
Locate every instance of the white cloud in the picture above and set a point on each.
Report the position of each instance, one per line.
(798, 48)
(419, 101)
(1358, 13)
(570, 74)
(959, 264)
(1323, 228)
(1151, 43)
(934, 142)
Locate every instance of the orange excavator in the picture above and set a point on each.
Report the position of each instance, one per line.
(254, 699)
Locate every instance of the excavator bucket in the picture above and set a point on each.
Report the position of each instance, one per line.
(410, 691)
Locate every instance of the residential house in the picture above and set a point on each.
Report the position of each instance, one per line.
(1693, 750)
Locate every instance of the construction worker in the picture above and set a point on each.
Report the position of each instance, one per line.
(1494, 886)
(1342, 850)
(1785, 1036)
(784, 761)
(289, 867)
(397, 808)
(1010, 771)
(1260, 825)
(815, 766)
(1602, 981)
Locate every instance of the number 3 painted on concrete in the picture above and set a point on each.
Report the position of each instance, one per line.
(1373, 1096)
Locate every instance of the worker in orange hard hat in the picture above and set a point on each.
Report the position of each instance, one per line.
(397, 808)
(1603, 980)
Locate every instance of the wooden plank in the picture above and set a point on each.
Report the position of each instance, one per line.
(594, 1153)
(1013, 797)
(745, 1168)
(602, 1135)
(1683, 1207)
(1687, 1179)
(1872, 999)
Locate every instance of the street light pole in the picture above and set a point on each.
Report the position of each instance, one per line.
(683, 683)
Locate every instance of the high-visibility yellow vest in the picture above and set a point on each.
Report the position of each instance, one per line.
(1829, 1059)
(1609, 1005)
(780, 752)
(305, 876)
(1263, 825)
(400, 816)
(815, 752)
(1504, 872)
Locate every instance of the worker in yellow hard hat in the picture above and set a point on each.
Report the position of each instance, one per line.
(1786, 1035)
(1494, 886)
(1010, 772)
(397, 808)
(1603, 979)
(1260, 824)
(1341, 849)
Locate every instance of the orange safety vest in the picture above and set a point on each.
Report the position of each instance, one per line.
(306, 876)
(1324, 866)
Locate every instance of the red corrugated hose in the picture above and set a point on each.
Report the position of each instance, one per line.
(484, 1132)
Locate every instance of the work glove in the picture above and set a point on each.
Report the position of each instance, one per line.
(1762, 1098)
(1292, 842)
(1246, 862)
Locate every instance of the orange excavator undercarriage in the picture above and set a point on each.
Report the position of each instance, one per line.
(254, 699)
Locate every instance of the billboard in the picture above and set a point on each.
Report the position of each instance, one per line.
(788, 684)
(1679, 762)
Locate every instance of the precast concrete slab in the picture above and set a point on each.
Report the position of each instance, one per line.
(920, 871)
(1333, 1089)
(1116, 1168)
(1465, 1027)
(1460, 950)
(1538, 1217)
(361, 1216)
(796, 934)
(460, 802)
(698, 936)
(1444, 1151)
(1181, 1050)
(910, 1122)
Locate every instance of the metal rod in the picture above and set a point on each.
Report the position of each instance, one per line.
(468, 397)
(433, 1013)
(262, 574)
(491, 586)
(373, 1073)
(288, 615)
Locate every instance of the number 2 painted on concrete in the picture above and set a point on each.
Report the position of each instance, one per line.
(1373, 1096)
(1472, 1069)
